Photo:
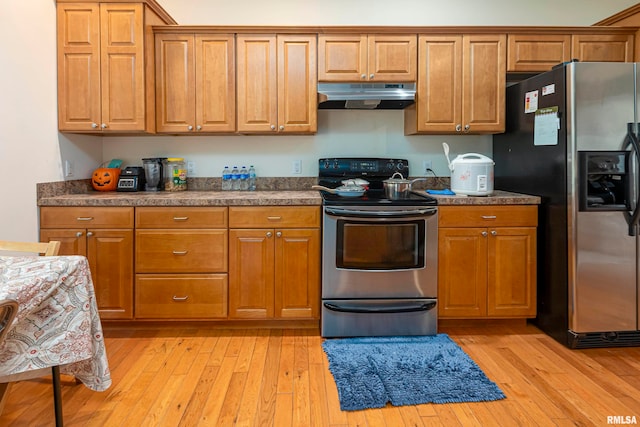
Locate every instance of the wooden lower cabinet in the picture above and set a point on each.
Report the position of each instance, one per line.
(105, 237)
(181, 263)
(274, 273)
(487, 261)
(179, 296)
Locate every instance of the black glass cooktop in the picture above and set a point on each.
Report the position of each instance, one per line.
(377, 197)
(332, 171)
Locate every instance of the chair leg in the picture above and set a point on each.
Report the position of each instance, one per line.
(57, 397)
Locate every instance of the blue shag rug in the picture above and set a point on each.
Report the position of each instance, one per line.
(370, 372)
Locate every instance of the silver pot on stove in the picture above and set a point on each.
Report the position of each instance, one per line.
(398, 188)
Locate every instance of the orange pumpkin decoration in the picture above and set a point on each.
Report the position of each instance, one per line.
(105, 179)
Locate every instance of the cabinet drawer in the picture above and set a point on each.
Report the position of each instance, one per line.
(172, 296)
(181, 217)
(274, 216)
(181, 251)
(488, 216)
(83, 217)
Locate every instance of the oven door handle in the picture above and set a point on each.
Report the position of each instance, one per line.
(379, 213)
(398, 307)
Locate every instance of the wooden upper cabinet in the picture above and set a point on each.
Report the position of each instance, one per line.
(276, 83)
(602, 47)
(195, 86)
(461, 85)
(102, 81)
(540, 52)
(374, 57)
(527, 52)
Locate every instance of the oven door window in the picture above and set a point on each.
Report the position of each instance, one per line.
(380, 245)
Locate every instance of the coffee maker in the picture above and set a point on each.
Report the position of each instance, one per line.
(154, 173)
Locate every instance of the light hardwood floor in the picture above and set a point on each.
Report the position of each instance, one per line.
(223, 377)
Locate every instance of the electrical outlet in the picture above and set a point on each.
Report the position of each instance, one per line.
(191, 168)
(296, 167)
(68, 168)
(426, 165)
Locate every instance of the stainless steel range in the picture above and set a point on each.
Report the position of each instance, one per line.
(380, 256)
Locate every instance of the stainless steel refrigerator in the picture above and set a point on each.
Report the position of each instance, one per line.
(572, 138)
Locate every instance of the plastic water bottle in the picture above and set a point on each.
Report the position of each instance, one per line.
(235, 179)
(244, 178)
(226, 179)
(252, 178)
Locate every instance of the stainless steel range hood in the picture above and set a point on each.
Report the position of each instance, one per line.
(366, 96)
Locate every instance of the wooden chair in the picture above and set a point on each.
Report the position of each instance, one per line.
(22, 248)
(42, 248)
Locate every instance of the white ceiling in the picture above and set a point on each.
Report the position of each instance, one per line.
(396, 12)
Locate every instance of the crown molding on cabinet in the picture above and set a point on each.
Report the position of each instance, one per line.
(152, 4)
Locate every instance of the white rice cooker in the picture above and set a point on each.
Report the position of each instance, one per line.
(471, 173)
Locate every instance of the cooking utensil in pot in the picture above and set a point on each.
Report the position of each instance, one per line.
(343, 190)
(398, 188)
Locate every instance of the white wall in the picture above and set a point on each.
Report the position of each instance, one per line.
(32, 150)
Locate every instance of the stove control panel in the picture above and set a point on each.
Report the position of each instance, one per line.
(362, 166)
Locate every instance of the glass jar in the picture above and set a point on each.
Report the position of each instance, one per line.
(176, 175)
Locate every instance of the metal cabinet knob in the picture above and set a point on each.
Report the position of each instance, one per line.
(198, 128)
(89, 233)
(279, 234)
(79, 234)
(103, 126)
(363, 76)
(484, 234)
(281, 127)
(467, 127)
(371, 76)
(189, 128)
(94, 125)
(494, 233)
(269, 234)
(458, 128)
(273, 127)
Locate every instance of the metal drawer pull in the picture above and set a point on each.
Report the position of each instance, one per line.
(180, 252)
(179, 299)
(180, 218)
(489, 217)
(84, 218)
(274, 218)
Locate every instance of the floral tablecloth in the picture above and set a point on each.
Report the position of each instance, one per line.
(57, 321)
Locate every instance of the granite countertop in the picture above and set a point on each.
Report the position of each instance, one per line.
(185, 198)
(497, 198)
(248, 198)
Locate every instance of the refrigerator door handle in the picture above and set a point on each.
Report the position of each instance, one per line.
(632, 139)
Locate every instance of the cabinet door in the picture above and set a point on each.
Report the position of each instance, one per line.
(462, 272)
(215, 96)
(342, 58)
(78, 66)
(512, 272)
(439, 84)
(110, 255)
(72, 241)
(297, 273)
(483, 83)
(602, 47)
(297, 84)
(257, 84)
(122, 67)
(175, 83)
(392, 58)
(537, 52)
(251, 268)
